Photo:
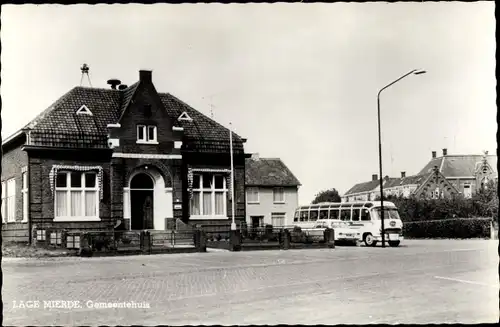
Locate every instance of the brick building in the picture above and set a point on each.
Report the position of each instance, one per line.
(126, 158)
(441, 177)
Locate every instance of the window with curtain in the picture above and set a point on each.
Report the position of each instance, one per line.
(11, 200)
(278, 195)
(76, 196)
(278, 219)
(209, 195)
(253, 195)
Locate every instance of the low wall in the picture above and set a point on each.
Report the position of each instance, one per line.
(15, 232)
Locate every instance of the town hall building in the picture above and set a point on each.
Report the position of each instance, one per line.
(127, 157)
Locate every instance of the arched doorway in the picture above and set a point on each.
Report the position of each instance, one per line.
(141, 201)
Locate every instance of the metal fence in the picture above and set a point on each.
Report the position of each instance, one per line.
(172, 239)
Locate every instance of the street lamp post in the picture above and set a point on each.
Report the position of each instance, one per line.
(233, 223)
(415, 72)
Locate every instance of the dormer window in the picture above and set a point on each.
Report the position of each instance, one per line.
(84, 111)
(185, 116)
(146, 134)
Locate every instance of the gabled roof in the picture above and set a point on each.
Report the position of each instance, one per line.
(201, 133)
(60, 125)
(439, 176)
(268, 172)
(363, 187)
(409, 180)
(459, 165)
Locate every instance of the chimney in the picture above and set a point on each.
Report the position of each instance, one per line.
(403, 174)
(433, 154)
(114, 83)
(255, 156)
(145, 76)
(374, 177)
(445, 152)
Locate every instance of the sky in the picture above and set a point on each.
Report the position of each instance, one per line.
(299, 81)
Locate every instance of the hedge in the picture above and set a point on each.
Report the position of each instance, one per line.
(449, 228)
(484, 203)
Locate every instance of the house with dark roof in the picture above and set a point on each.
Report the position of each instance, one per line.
(128, 158)
(441, 177)
(271, 192)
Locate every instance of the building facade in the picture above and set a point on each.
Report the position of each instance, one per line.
(441, 177)
(128, 158)
(271, 192)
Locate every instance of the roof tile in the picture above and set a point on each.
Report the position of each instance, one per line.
(60, 126)
(268, 172)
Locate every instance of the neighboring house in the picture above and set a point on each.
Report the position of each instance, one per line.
(468, 173)
(441, 177)
(271, 192)
(129, 158)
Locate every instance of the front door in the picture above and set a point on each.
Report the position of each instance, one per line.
(141, 202)
(257, 221)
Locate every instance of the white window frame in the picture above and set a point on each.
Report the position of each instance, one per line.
(10, 201)
(255, 191)
(83, 189)
(4, 202)
(212, 190)
(24, 192)
(278, 215)
(145, 133)
(274, 195)
(469, 193)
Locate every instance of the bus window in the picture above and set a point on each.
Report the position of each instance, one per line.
(296, 217)
(313, 215)
(345, 214)
(334, 214)
(365, 215)
(304, 215)
(323, 214)
(355, 214)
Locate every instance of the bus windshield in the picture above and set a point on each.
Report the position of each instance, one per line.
(389, 213)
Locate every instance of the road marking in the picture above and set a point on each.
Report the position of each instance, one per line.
(466, 281)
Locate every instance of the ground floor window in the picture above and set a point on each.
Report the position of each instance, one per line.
(9, 200)
(278, 219)
(76, 196)
(209, 195)
(467, 191)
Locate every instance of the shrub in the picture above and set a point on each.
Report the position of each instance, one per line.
(448, 228)
(416, 209)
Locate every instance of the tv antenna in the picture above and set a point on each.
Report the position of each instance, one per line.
(85, 70)
(211, 104)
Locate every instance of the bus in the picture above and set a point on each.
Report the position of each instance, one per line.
(363, 218)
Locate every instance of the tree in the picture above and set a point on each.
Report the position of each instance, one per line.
(330, 195)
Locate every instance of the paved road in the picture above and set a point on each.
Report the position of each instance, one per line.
(421, 282)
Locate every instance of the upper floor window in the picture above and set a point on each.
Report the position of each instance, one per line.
(76, 196)
(252, 195)
(209, 195)
(278, 195)
(146, 134)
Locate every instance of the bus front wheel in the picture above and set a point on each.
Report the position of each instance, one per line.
(394, 243)
(369, 240)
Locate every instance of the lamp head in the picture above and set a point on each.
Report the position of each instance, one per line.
(419, 71)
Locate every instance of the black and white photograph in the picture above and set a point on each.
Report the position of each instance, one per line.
(249, 163)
